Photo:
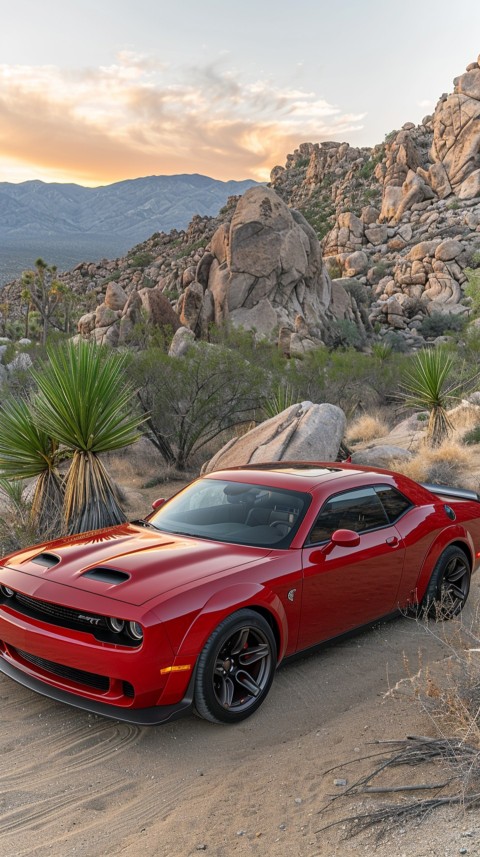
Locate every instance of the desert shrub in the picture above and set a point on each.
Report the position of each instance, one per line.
(396, 342)
(445, 465)
(191, 401)
(333, 267)
(17, 529)
(472, 289)
(365, 428)
(140, 260)
(438, 324)
(357, 290)
(344, 333)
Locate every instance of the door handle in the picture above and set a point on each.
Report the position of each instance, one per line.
(393, 542)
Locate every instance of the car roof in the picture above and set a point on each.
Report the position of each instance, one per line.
(297, 475)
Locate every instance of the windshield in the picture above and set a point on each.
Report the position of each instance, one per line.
(236, 512)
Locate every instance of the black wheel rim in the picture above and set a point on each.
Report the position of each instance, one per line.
(243, 667)
(455, 586)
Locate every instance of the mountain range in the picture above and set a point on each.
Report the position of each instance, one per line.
(67, 223)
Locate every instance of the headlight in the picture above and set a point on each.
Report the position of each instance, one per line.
(135, 630)
(116, 625)
(6, 591)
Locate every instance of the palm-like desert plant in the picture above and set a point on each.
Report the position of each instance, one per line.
(28, 452)
(85, 405)
(280, 398)
(426, 387)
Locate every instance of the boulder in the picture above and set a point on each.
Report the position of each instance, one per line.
(470, 187)
(381, 456)
(158, 309)
(115, 296)
(303, 432)
(267, 267)
(183, 339)
(456, 132)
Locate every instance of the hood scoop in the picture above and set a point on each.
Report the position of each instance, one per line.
(48, 560)
(107, 575)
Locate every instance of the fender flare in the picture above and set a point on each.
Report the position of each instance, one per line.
(455, 534)
(226, 602)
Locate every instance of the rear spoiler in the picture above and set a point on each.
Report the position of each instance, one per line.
(447, 491)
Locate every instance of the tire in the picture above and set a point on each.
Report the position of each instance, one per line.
(449, 585)
(235, 669)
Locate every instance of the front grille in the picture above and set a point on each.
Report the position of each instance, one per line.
(62, 615)
(99, 682)
(67, 617)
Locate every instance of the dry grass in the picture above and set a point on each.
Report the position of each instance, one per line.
(366, 428)
(433, 772)
(447, 464)
(464, 417)
(450, 690)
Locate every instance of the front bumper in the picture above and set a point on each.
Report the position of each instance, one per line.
(135, 685)
(152, 716)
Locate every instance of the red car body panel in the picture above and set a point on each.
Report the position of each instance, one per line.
(179, 588)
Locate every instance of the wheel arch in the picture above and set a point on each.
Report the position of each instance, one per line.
(459, 539)
(229, 601)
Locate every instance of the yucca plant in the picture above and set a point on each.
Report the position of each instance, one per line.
(28, 452)
(85, 405)
(281, 398)
(425, 387)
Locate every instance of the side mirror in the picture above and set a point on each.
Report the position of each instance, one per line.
(345, 538)
(157, 503)
(340, 538)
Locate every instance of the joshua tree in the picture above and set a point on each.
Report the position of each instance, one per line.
(45, 292)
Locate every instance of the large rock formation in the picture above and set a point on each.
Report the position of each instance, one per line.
(456, 134)
(303, 432)
(263, 271)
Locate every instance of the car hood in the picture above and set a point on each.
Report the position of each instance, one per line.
(128, 563)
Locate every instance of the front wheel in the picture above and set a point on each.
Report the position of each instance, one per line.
(235, 669)
(449, 585)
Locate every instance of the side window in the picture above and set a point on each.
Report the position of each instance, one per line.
(394, 503)
(359, 510)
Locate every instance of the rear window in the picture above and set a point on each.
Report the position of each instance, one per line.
(394, 503)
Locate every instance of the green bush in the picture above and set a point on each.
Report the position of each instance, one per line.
(472, 289)
(140, 260)
(191, 401)
(438, 324)
(344, 333)
(472, 437)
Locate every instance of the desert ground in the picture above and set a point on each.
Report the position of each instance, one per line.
(72, 783)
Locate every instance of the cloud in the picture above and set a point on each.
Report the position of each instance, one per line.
(140, 117)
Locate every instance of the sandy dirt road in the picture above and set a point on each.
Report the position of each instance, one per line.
(77, 784)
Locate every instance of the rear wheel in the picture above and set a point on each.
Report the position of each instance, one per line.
(235, 669)
(449, 585)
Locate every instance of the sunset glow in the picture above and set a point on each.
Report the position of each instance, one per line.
(96, 93)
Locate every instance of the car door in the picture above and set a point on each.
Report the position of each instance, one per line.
(345, 587)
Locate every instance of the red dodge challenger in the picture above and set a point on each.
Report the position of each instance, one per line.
(195, 606)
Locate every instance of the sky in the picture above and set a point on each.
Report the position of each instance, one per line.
(98, 92)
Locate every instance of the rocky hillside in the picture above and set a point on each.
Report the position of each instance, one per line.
(65, 223)
(399, 225)
(402, 218)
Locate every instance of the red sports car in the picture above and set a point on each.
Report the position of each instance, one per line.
(195, 606)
